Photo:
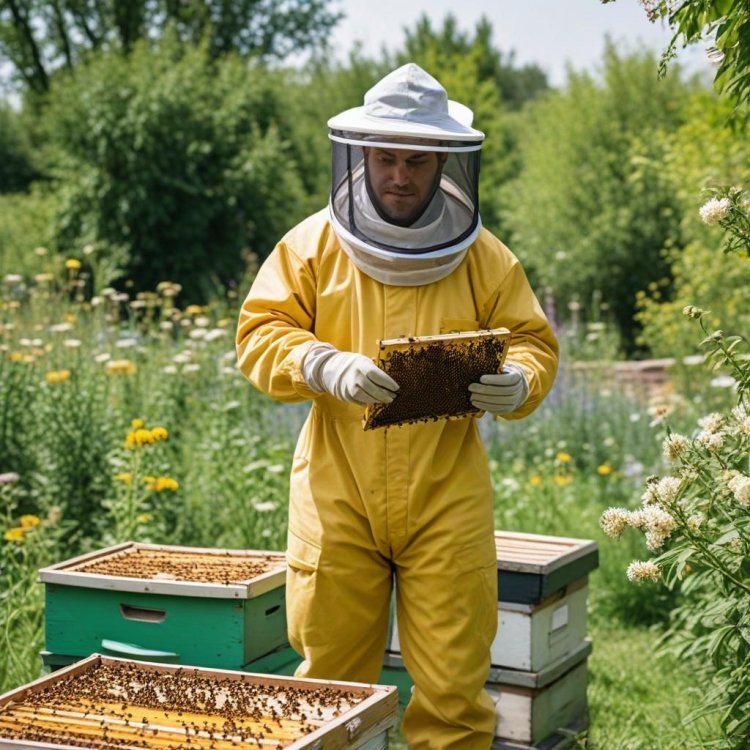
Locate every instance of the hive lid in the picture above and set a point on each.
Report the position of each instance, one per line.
(533, 566)
(166, 569)
(539, 554)
(434, 374)
(160, 705)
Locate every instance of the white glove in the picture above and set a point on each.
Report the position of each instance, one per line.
(501, 393)
(347, 376)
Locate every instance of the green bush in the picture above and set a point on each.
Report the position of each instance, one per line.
(171, 164)
(704, 151)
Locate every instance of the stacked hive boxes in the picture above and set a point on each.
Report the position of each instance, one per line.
(538, 675)
(204, 607)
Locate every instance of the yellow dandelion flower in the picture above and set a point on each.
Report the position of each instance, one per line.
(563, 458)
(143, 518)
(167, 483)
(120, 367)
(138, 438)
(70, 318)
(72, 264)
(561, 480)
(57, 376)
(28, 521)
(15, 356)
(536, 480)
(194, 310)
(14, 535)
(148, 479)
(137, 424)
(159, 433)
(124, 476)
(604, 469)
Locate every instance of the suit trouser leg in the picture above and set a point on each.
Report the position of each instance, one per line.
(338, 611)
(447, 619)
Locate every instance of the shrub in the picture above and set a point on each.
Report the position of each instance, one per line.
(171, 164)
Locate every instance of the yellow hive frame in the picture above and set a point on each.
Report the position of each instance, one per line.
(381, 415)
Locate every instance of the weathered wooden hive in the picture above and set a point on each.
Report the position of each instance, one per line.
(434, 374)
(204, 607)
(103, 702)
(539, 656)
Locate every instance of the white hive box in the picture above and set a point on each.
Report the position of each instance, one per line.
(533, 707)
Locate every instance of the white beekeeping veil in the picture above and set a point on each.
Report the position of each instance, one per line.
(408, 110)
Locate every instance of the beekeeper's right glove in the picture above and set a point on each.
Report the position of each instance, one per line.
(347, 376)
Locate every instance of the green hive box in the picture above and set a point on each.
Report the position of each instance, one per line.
(206, 615)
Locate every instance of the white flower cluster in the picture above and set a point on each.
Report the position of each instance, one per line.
(663, 492)
(739, 484)
(714, 210)
(639, 571)
(655, 522)
(675, 445)
(741, 418)
(712, 442)
(613, 521)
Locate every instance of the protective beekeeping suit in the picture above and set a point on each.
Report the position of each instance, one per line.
(400, 251)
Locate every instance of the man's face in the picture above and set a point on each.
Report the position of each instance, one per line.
(402, 180)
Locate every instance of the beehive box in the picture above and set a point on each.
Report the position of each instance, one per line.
(434, 374)
(186, 605)
(533, 707)
(537, 708)
(104, 702)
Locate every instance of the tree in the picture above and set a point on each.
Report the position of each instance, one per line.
(705, 150)
(40, 36)
(591, 210)
(515, 85)
(171, 164)
(725, 23)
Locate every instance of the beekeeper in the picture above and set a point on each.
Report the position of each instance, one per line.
(399, 251)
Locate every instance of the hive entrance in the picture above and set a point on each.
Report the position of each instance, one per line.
(434, 374)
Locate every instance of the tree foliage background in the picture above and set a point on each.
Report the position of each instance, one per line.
(172, 140)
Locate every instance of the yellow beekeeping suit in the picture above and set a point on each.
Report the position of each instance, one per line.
(411, 502)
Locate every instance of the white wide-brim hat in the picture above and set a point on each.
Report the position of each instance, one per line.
(409, 103)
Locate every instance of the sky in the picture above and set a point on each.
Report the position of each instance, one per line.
(550, 33)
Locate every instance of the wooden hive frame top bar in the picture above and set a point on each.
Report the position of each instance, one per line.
(104, 702)
(165, 569)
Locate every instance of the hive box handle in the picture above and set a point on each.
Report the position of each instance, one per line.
(141, 614)
(273, 609)
(131, 649)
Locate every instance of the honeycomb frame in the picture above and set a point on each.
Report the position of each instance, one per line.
(108, 703)
(419, 363)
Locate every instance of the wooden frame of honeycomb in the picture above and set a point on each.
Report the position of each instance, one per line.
(171, 569)
(103, 702)
(434, 374)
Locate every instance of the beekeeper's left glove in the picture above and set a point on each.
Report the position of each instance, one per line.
(501, 393)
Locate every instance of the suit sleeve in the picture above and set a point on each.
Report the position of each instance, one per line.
(533, 343)
(276, 323)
